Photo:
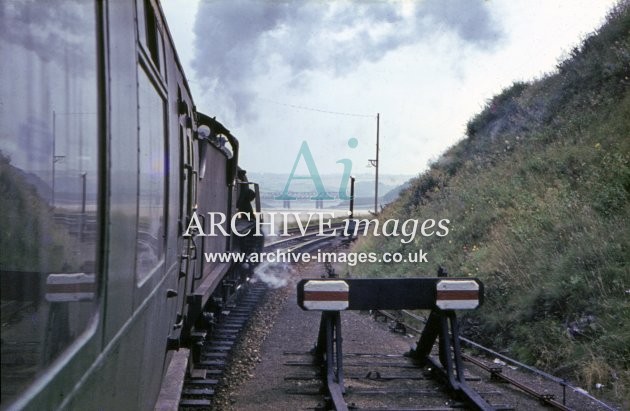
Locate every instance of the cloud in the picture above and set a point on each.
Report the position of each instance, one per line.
(239, 43)
(470, 20)
(53, 33)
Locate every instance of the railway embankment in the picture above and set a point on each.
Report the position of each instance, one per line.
(537, 194)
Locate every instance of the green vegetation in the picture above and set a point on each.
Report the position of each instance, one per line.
(29, 238)
(538, 199)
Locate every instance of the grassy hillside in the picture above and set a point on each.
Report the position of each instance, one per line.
(538, 199)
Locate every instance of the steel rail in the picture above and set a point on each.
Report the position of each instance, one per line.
(542, 397)
(307, 234)
(298, 239)
(293, 230)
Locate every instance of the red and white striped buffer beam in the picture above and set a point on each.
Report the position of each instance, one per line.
(457, 295)
(325, 295)
(70, 287)
(424, 293)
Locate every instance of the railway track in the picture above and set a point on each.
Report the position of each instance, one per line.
(550, 391)
(200, 383)
(383, 380)
(299, 236)
(378, 378)
(206, 369)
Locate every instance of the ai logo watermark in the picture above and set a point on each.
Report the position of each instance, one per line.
(305, 153)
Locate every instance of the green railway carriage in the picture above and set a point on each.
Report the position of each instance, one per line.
(103, 159)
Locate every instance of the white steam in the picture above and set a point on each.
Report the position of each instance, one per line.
(275, 275)
(238, 42)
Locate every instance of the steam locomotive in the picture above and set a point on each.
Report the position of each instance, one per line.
(103, 159)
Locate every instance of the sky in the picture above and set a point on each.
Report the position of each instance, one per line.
(281, 73)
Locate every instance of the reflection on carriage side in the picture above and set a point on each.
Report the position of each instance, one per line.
(48, 184)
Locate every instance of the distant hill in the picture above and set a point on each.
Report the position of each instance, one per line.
(393, 194)
(538, 198)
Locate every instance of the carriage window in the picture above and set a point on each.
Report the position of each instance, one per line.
(48, 184)
(160, 53)
(150, 35)
(151, 138)
(142, 25)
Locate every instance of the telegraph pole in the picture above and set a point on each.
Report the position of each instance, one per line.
(351, 197)
(374, 163)
(378, 116)
(54, 158)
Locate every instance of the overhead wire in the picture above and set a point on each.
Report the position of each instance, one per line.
(300, 107)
